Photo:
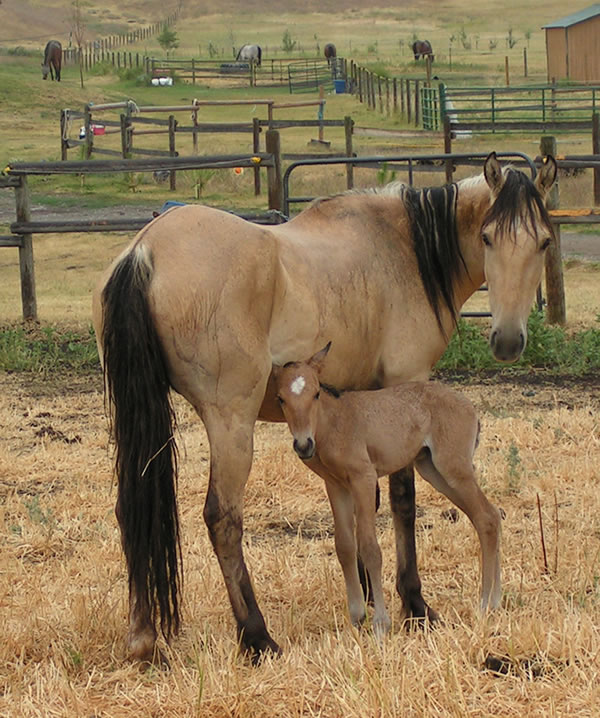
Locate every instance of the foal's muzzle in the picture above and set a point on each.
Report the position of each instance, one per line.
(305, 449)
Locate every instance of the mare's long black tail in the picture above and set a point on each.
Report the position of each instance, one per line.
(143, 424)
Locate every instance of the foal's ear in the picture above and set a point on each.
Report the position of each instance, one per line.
(316, 361)
(493, 173)
(546, 177)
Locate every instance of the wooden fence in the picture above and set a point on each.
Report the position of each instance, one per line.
(105, 49)
(132, 124)
(24, 228)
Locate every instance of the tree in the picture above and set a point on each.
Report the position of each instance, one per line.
(78, 28)
(168, 39)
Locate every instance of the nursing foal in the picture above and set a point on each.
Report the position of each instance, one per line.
(351, 439)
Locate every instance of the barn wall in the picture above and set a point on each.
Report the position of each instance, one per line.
(584, 50)
(556, 53)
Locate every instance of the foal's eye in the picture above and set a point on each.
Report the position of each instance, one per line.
(317, 395)
(280, 400)
(485, 238)
(545, 244)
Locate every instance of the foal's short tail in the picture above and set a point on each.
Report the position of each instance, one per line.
(143, 424)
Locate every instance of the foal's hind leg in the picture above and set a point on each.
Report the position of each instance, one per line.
(403, 507)
(455, 478)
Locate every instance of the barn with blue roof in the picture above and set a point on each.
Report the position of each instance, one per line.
(573, 46)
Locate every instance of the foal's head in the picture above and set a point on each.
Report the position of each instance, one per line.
(516, 232)
(298, 394)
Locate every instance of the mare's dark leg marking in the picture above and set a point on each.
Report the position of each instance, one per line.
(403, 506)
(225, 530)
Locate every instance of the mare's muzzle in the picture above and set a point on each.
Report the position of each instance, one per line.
(507, 346)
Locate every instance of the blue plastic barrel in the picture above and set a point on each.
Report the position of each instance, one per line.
(340, 86)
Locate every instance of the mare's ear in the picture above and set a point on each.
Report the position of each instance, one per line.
(316, 361)
(493, 173)
(546, 177)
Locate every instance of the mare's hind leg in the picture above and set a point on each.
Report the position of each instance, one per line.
(231, 446)
(455, 478)
(403, 507)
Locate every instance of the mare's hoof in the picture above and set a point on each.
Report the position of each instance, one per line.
(428, 619)
(258, 649)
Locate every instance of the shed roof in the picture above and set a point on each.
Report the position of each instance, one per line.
(575, 17)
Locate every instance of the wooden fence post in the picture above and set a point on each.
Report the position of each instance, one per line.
(448, 148)
(256, 150)
(555, 288)
(348, 125)
(525, 62)
(64, 123)
(506, 73)
(172, 152)
(274, 177)
(28, 298)
(596, 151)
(89, 135)
(195, 123)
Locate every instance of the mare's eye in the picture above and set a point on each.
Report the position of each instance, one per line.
(485, 238)
(317, 395)
(545, 244)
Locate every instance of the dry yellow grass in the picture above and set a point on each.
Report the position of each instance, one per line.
(63, 589)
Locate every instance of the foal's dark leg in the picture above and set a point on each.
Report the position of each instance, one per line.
(403, 506)
(365, 579)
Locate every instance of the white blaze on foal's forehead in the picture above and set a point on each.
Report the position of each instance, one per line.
(297, 386)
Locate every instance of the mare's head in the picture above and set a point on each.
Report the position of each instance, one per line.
(515, 232)
(298, 393)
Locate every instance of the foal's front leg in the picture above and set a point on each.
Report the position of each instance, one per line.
(363, 490)
(342, 506)
(404, 509)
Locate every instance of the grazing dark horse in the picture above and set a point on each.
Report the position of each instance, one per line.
(330, 52)
(205, 303)
(249, 53)
(52, 59)
(422, 48)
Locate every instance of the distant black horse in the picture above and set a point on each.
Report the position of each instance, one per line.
(52, 59)
(422, 48)
(248, 53)
(330, 52)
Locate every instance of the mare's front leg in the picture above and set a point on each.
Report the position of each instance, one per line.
(404, 509)
(231, 446)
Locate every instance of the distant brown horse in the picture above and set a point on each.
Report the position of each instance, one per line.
(52, 59)
(422, 48)
(351, 439)
(330, 52)
(206, 303)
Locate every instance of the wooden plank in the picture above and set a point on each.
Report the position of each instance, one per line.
(8, 240)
